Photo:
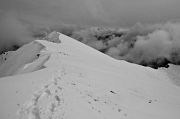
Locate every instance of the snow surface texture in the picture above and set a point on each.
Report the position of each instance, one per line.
(5, 56)
(26, 59)
(78, 82)
(173, 72)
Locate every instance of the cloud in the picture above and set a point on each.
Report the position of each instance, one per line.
(97, 10)
(12, 33)
(153, 45)
(19, 29)
(98, 38)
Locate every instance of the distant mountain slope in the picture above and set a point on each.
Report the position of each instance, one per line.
(20, 61)
(78, 82)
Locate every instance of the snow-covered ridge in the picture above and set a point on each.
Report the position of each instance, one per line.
(27, 58)
(78, 82)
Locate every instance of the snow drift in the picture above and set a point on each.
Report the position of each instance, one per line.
(27, 58)
(78, 82)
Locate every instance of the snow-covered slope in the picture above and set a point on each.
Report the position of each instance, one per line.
(173, 72)
(78, 82)
(26, 59)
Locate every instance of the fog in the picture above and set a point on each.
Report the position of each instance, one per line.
(140, 31)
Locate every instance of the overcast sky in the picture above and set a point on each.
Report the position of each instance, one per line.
(109, 13)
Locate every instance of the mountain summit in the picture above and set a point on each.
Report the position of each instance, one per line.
(65, 79)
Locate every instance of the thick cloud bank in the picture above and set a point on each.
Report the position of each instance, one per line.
(148, 45)
(153, 45)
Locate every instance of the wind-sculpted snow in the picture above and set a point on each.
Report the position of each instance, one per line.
(22, 56)
(82, 83)
(53, 37)
(26, 59)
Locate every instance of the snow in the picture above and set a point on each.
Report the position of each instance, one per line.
(22, 56)
(75, 81)
(5, 56)
(173, 73)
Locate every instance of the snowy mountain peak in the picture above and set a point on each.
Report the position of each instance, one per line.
(69, 80)
(26, 59)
